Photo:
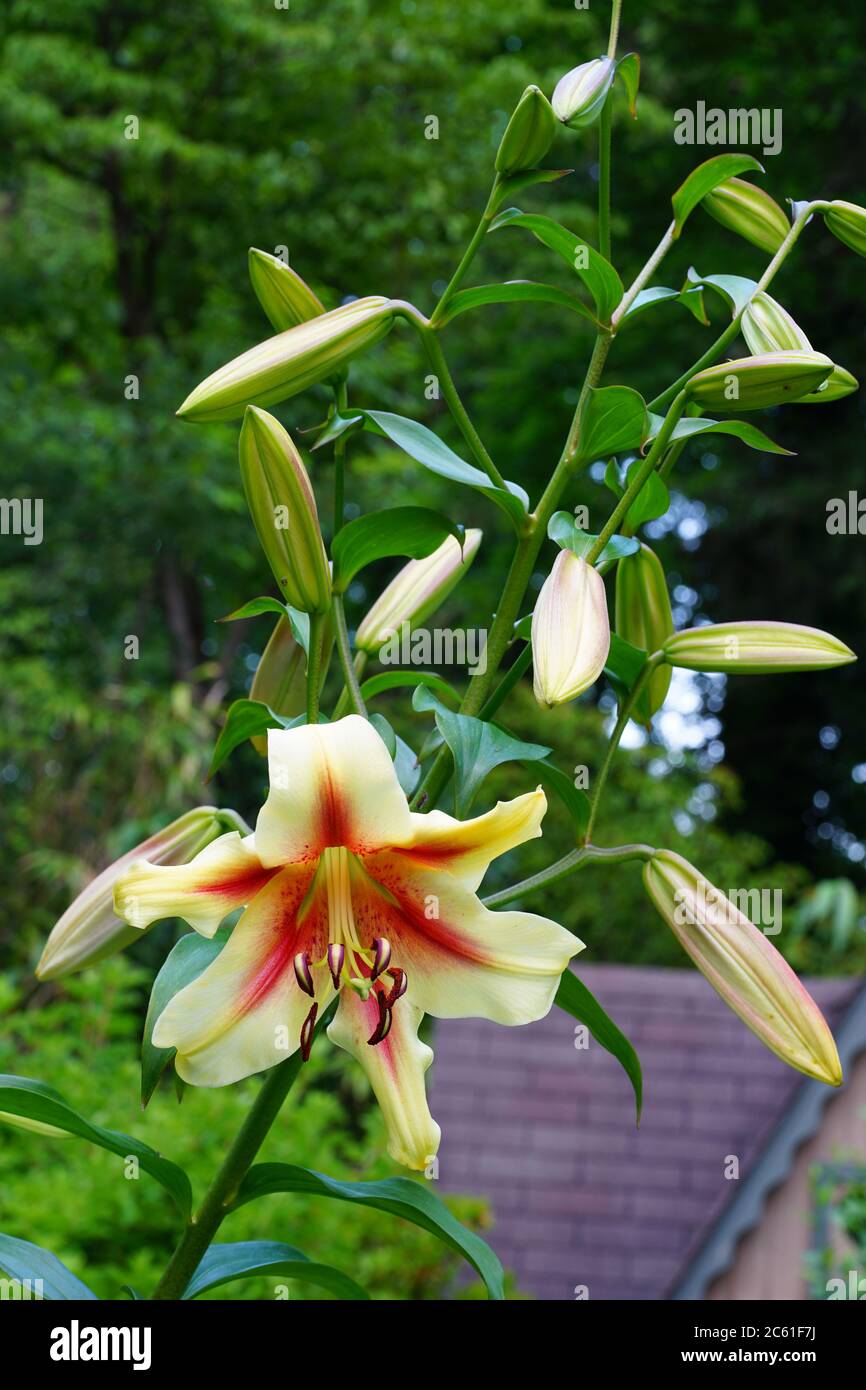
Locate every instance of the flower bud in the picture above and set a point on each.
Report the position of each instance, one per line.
(89, 930)
(744, 969)
(283, 508)
(280, 680)
(644, 618)
(416, 591)
(838, 384)
(847, 222)
(767, 327)
(570, 631)
(754, 383)
(750, 212)
(528, 135)
(754, 649)
(282, 366)
(580, 95)
(285, 297)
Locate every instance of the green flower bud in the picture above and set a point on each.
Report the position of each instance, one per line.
(284, 365)
(283, 509)
(644, 618)
(753, 649)
(416, 591)
(744, 969)
(280, 681)
(580, 95)
(753, 383)
(767, 327)
(838, 384)
(89, 930)
(570, 631)
(847, 222)
(528, 135)
(285, 297)
(750, 212)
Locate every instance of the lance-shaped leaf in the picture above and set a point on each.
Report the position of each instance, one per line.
(515, 183)
(222, 1264)
(704, 179)
(515, 292)
(245, 719)
(735, 290)
(749, 434)
(402, 1197)
(574, 997)
(41, 1273)
(563, 529)
(412, 531)
(613, 418)
(597, 274)
(21, 1096)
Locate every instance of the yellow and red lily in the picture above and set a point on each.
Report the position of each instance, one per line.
(349, 892)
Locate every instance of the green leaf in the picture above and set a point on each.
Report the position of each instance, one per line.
(628, 69)
(704, 179)
(574, 997)
(735, 290)
(596, 273)
(652, 501)
(575, 801)
(35, 1101)
(512, 185)
(391, 680)
(477, 747)
(612, 419)
(184, 963)
(624, 662)
(336, 426)
(386, 734)
(692, 298)
(563, 529)
(21, 1260)
(403, 1197)
(514, 292)
(299, 622)
(221, 1264)
(426, 448)
(412, 531)
(245, 719)
(740, 429)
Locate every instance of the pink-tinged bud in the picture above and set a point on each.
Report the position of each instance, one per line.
(744, 969)
(282, 366)
(749, 211)
(755, 649)
(643, 618)
(416, 591)
(580, 95)
(285, 297)
(90, 930)
(570, 631)
(280, 681)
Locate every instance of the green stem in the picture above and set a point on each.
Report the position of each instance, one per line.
(205, 1223)
(344, 701)
(569, 864)
(713, 353)
(436, 358)
(507, 684)
(341, 401)
(314, 665)
(625, 710)
(645, 274)
(604, 126)
(468, 255)
(344, 652)
(614, 28)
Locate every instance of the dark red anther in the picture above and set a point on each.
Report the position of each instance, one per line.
(398, 988)
(383, 1027)
(303, 974)
(336, 958)
(307, 1031)
(381, 956)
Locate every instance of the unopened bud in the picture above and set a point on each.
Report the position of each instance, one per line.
(838, 384)
(570, 631)
(580, 95)
(283, 509)
(767, 327)
(744, 969)
(754, 383)
(417, 591)
(528, 135)
(285, 297)
(643, 618)
(753, 649)
(847, 222)
(750, 212)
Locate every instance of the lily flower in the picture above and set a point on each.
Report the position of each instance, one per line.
(349, 892)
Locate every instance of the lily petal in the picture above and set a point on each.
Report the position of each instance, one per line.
(245, 1011)
(462, 960)
(466, 848)
(395, 1069)
(225, 875)
(331, 784)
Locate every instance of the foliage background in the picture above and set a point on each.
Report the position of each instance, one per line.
(305, 127)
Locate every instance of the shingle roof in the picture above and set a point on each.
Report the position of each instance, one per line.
(547, 1133)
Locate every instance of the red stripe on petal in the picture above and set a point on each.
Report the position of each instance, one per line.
(282, 939)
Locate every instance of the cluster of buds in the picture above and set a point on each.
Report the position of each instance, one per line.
(570, 631)
(767, 327)
(745, 970)
(417, 591)
(90, 930)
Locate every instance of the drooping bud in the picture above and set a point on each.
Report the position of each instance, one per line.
(285, 297)
(644, 618)
(838, 384)
(282, 366)
(743, 208)
(416, 591)
(336, 960)
(570, 631)
(90, 930)
(580, 95)
(752, 649)
(283, 509)
(745, 970)
(754, 383)
(847, 222)
(528, 135)
(767, 327)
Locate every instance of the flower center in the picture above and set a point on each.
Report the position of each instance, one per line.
(366, 969)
